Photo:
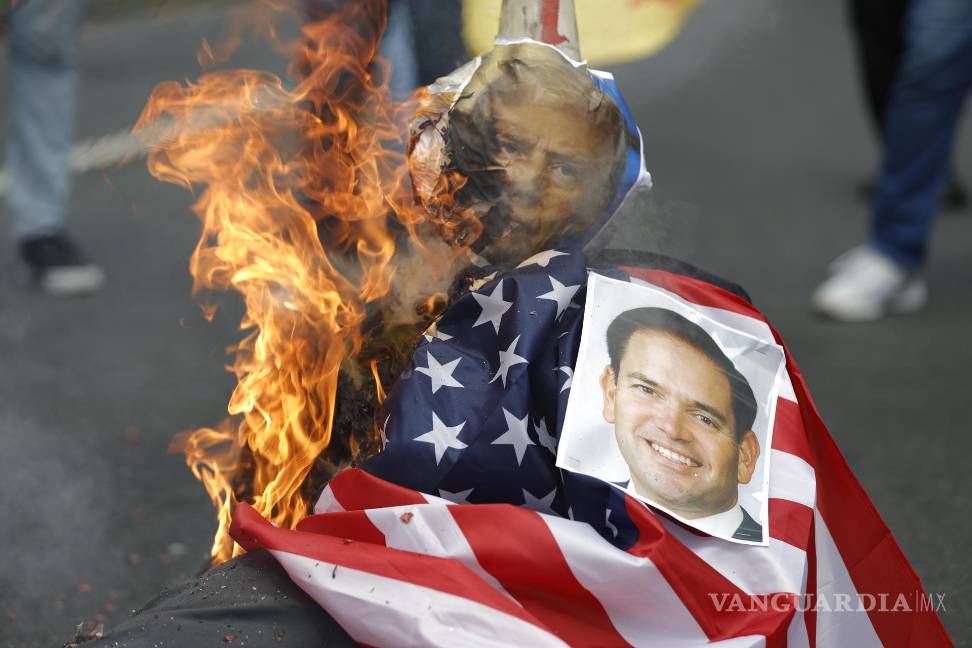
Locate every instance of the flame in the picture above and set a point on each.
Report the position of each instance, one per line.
(304, 200)
(379, 390)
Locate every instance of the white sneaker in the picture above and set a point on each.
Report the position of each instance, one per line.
(865, 285)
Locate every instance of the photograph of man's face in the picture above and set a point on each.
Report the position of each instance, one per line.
(540, 147)
(674, 404)
(682, 414)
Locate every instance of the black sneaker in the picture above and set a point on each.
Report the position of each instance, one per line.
(59, 267)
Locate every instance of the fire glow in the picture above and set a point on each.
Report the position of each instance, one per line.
(306, 212)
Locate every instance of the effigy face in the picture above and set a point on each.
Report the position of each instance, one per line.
(516, 150)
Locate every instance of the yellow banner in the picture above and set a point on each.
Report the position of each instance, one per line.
(610, 31)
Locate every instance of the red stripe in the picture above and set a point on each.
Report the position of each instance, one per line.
(549, 16)
(695, 291)
(357, 490)
(873, 559)
(790, 522)
(520, 551)
(700, 587)
(353, 525)
(441, 574)
(788, 433)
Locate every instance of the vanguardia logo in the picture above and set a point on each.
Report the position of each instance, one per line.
(837, 602)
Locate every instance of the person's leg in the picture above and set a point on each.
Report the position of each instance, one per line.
(43, 53)
(879, 37)
(43, 43)
(920, 123)
(398, 49)
(923, 111)
(878, 27)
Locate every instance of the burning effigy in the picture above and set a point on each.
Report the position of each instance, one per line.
(459, 423)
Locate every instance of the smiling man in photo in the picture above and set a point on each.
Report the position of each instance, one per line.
(682, 416)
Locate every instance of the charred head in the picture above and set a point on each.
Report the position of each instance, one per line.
(531, 152)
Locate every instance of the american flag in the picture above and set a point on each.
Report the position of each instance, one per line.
(463, 532)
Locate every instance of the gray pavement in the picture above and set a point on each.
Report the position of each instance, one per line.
(756, 137)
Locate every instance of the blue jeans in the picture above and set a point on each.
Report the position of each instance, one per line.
(920, 123)
(43, 42)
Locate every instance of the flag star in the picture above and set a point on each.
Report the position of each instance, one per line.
(607, 521)
(433, 333)
(539, 504)
(440, 374)
(508, 359)
(515, 435)
(570, 378)
(542, 259)
(461, 497)
(381, 431)
(560, 294)
(443, 437)
(493, 305)
(545, 438)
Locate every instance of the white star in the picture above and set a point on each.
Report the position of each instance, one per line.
(542, 259)
(545, 438)
(381, 431)
(515, 435)
(442, 436)
(539, 504)
(570, 377)
(494, 306)
(560, 294)
(433, 333)
(440, 374)
(607, 521)
(462, 497)
(508, 359)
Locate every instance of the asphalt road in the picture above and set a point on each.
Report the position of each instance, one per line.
(756, 137)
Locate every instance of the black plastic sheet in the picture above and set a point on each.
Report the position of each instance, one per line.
(246, 601)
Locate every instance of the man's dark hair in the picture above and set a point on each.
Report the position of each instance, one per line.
(671, 323)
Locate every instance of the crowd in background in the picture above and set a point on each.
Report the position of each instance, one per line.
(916, 69)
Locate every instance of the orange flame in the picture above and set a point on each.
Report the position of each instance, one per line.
(305, 195)
(378, 387)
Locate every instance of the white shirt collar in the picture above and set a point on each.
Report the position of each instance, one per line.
(721, 525)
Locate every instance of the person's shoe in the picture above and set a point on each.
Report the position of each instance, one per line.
(866, 285)
(59, 267)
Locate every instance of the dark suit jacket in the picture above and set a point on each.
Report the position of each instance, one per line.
(750, 529)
